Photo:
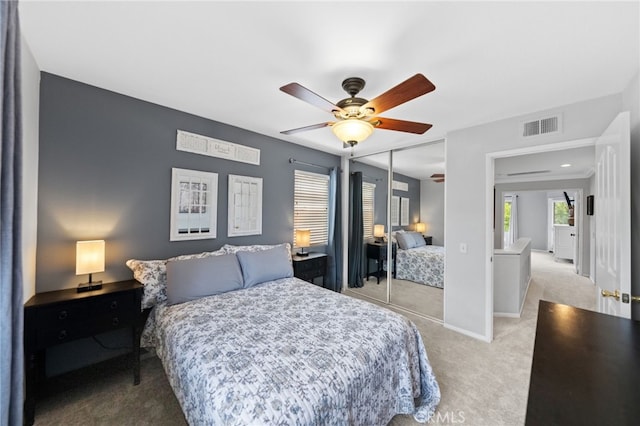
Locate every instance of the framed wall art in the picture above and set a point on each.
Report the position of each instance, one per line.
(395, 210)
(404, 211)
(245, 206)
(194, 203)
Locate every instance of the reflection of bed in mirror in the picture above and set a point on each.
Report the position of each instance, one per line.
(418, 262)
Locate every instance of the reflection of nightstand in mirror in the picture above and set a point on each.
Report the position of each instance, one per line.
(428, 239)
(378, 253)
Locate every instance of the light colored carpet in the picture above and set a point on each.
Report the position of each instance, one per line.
(482, 384)
(419, 298)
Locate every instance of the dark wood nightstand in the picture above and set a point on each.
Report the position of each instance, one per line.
(378, 252)
(310, 267)
(428, 239)
(61, 316)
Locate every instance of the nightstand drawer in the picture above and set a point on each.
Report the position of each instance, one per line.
(112, 321)
(113, 304)
(61, 314)
(59, 333)
(112, 312)
(315, 265)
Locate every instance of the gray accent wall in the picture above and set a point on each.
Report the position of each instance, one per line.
(105, 173)
(381, 178)
(413, 194)
(432, 209)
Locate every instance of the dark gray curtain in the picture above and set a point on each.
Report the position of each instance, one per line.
(355, 230)
(334, 249)
(11, 329)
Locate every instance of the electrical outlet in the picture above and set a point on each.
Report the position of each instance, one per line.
(463, 248)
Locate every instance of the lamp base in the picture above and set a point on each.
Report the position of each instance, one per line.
(302, 253)
(96, 285)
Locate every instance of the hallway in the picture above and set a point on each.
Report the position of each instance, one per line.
(556, 281)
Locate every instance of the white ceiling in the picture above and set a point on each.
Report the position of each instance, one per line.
(579, 164)
(226, 60)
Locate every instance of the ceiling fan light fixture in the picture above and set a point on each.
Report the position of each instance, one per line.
(352, 131)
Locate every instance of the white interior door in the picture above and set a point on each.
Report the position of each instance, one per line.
(613, 218)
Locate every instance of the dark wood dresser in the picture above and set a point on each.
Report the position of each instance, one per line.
(585, 370)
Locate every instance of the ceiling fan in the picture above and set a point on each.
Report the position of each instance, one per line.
(356, 117)
(437, 177)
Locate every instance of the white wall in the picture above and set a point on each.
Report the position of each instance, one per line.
(532, 218)
(432, 209)
(469, 296)
(30, 85)
(631, 103)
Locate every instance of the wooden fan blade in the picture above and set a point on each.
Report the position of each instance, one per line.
(400, 125)
(437, 175)
(438, 180)
(409, 89)
(305, 128)
(304, 94)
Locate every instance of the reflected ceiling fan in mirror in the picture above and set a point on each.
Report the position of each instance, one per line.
(356, 118)
(437, 177)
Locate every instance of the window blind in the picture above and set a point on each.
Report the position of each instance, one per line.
(311, 206)
(368, 208)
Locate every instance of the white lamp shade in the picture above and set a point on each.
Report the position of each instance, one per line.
(352, 129)
(378, 230)
(421, 227)
(89, 257)
(303, 237)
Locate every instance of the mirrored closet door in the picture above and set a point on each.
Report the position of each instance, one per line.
(368, 187)
(417, 224)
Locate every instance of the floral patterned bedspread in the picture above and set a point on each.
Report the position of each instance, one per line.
(288, 352)
(424, 265)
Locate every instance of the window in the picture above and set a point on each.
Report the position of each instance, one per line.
(368, 209)
(311, 206)
(560, 212)
(507, 213)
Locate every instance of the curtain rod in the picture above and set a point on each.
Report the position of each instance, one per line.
(293, 160)
(369, 177)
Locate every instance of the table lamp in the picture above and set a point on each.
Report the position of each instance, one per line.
(378, 232)
(89, 259)
(303, 239)
(421, 227)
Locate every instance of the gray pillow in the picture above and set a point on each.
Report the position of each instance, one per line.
(190, 279)
(405, 240)
(266, 265)
(418, 239)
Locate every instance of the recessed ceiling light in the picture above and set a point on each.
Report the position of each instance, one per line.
(565, 165)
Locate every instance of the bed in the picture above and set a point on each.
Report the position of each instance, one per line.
(418, 262)
(284, 351)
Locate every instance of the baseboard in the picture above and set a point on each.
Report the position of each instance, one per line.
(467, 332)
(506, 315)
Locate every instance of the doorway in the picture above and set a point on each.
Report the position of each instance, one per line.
(531, 179)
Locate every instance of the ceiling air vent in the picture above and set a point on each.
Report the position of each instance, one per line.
(541, 126)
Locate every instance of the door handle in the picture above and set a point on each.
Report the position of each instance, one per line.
(635, 299)
(614, 294)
